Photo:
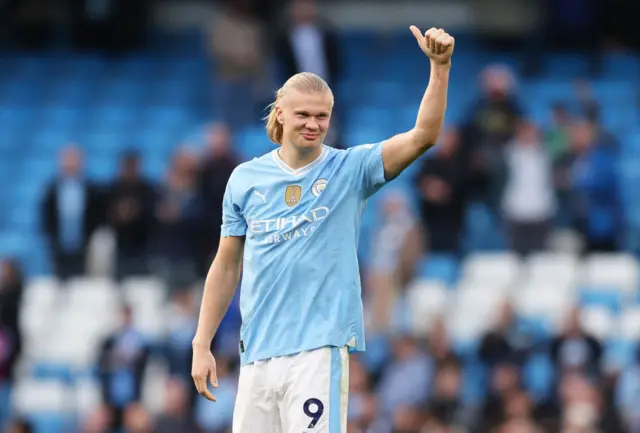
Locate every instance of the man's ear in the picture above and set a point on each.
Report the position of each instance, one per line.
(279, 115)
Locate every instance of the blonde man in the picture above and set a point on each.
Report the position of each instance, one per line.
(291, 222)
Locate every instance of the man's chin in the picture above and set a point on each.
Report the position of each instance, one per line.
(305, 143)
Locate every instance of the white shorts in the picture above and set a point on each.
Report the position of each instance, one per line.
(302, 393)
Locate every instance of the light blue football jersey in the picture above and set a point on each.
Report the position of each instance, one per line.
(301, 280)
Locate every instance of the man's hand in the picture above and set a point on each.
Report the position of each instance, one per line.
(203, 370)
(436, 43)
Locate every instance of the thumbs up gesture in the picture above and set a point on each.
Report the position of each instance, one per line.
(435, 43)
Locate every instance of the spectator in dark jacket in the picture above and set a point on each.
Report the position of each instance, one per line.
(11, 289)
(70, 214)
(122, 363)
(130, 214)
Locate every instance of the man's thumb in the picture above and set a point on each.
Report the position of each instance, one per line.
(417, 33)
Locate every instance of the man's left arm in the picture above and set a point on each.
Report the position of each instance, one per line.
(400, 151)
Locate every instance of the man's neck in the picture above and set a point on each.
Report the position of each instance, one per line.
(295, 158)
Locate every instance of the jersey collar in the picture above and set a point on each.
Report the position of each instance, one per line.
(302, 170)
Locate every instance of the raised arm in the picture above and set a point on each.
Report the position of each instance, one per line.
(400, 151)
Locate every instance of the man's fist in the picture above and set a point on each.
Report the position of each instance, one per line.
(435, 43)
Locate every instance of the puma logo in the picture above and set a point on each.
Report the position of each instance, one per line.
(263, 196)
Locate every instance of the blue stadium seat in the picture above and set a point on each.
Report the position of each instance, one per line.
(604, 297)
(61, 117)
(253, 142)
(483, 232)
(439, 267)
(621, 65)
(15, 116)
(539, 375)
(51, 423)
(566, 65)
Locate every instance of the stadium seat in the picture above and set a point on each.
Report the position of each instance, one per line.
(629, 326)
(538, 375)
(71, 341)
(619, 271)
(598, 321)
(552, 268)
(610, 299)
(88, 394)
(549, 305)
(471, 313)
(443, 268)
(144, 290)
(41, 396)
(565, 241)
(90, 291)
(51, 423)
(501, 269)
(427, 300)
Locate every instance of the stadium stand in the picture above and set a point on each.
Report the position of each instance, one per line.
(155, 102)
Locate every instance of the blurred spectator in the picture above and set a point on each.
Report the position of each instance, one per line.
(587, 177)
(362, 404)
(528, 201)
(407, 379)
(112, 25)
(580, 408)
(219, 162)
(508, 342)
(518, 425)
(446, 404)
(576, 406)
(408, 419)
(130, 213)
(575, 349)
(439, 344)
(34, 22)
(504, 384)
(137, 419)
(98, 421)
(217, 418)
(121, 364)
(21, 426)
(11, 289)
(396, 249)
(239, 50)
(71, 211)
(612, 420)
(308, 44)
(592, 112)
(175, 416)
(179, 212)
(182, 319)
(441, 183)
(627, 392)
(557, 139)
(490, 124)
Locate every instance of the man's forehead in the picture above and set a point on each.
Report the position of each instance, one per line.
(309, 102)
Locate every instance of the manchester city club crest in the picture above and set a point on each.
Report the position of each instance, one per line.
(318, 186)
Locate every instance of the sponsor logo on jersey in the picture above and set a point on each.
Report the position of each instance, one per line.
(280, 229)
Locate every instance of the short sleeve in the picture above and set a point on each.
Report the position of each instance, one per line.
(369, 158)
(233, 222)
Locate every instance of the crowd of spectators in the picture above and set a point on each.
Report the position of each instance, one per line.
(530, 180)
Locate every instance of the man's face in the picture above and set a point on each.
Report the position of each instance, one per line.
(305, 118)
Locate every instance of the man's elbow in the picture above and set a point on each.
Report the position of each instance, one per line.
(425, 138)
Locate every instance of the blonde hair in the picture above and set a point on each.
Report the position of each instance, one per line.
(305, 82)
